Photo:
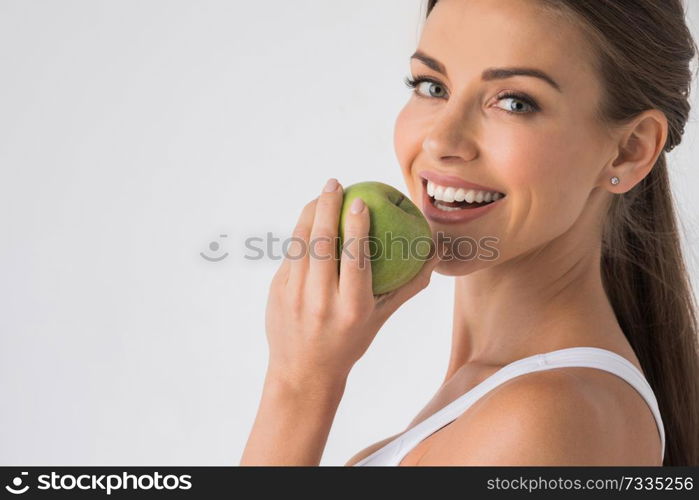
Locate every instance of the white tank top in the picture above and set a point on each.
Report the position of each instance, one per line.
(593, 357)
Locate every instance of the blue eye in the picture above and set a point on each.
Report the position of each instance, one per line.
(417, 82)
(522, 99)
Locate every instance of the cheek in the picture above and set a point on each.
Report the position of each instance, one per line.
(548, 160)
(550, 175)
(408, 135)
(566, 172)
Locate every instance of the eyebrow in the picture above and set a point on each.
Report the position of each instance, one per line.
(490, 73)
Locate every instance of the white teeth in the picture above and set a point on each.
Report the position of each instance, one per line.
(438, 192)
(451, 194)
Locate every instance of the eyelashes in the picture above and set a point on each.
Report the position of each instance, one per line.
(414, 83)
(519, 97)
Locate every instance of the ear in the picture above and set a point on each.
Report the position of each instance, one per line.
(640, 144)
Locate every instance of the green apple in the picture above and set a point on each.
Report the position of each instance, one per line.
(400, 237)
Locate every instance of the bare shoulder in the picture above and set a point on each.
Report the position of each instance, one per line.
(570, 416)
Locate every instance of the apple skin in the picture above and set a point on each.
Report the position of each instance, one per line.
(392, 215)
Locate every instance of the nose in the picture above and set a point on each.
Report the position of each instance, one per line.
(448, 139)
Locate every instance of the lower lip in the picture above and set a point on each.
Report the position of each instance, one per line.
(453, 216)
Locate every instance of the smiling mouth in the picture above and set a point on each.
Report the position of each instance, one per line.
(449, 206)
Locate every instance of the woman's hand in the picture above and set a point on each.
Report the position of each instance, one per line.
(318, 323)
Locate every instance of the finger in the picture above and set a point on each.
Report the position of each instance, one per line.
(282, 274)
(389, 302)
(355, 263)
(322, 274)
(297, 253)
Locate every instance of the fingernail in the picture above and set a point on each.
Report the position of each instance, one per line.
(357, 206)
(331, 185)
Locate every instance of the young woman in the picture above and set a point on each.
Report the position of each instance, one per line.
(576, 345)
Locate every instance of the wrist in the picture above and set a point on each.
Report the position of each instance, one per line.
(294, 419)
(305, 386)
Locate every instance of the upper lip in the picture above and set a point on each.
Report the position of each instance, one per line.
(450, 180)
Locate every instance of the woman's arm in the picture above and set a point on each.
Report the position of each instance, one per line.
(318, 325)
(292, 423)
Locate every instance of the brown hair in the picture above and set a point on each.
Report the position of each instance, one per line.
(643, 50)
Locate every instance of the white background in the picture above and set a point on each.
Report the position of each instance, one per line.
(134, 133)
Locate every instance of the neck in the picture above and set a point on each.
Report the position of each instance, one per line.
(548, 299)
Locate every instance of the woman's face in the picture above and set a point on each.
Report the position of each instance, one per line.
(546, 155)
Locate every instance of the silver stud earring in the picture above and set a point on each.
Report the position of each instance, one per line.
(614, 180)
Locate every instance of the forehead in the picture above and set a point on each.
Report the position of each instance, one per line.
(468, 36)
